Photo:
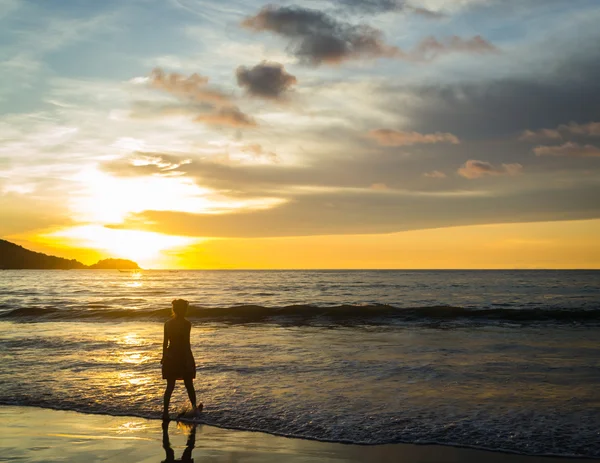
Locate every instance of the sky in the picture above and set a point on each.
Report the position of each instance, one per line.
(315, 134)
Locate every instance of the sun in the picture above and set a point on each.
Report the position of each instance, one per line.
(145, 248)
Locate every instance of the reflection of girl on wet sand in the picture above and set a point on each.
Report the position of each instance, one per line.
(177, 360)
(189, 446)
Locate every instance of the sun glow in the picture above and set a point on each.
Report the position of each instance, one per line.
(142, 247)
(109, 199)
(106, 199)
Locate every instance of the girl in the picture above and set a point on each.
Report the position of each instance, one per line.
(177, 360)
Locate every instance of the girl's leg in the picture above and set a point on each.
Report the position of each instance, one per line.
(167, 398)
(189, 385)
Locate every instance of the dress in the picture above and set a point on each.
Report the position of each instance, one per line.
(178, 361)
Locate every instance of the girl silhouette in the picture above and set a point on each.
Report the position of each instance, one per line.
(177, 359)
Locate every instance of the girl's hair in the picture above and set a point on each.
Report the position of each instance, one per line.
(180, 307)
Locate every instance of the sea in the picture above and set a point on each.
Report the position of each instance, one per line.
(500, 360)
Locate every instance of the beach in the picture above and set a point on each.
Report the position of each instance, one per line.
(42, 435)
(368, 358)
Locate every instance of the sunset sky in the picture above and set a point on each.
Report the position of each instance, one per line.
(315, 134)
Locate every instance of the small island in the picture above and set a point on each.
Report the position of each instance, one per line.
(15, 257)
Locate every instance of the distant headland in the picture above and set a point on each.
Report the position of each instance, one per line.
(15, 257)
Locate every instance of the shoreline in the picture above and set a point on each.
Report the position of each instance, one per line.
(43, 434)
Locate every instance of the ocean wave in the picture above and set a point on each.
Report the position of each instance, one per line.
(309, 314)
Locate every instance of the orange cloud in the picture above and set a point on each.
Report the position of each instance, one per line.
(230, 116)
(215, 108)
(569, 149)
(389, 137)
(591, 129)
(192, 87)
(476, 169)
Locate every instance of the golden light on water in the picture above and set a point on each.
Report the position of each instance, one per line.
(131, 339)
(134, 284)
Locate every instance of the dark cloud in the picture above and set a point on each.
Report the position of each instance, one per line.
(504, 107)
(374, 6)
(266, 80)
(317, 38)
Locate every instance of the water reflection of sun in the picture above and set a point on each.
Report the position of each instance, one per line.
(134, 379)
(131, 339)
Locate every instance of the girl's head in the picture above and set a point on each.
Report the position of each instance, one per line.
(180, 307)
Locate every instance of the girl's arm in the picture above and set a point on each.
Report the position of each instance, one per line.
(189, 333)
(165, 344)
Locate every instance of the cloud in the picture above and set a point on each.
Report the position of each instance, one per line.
(591, 129)
(316, 38)
(384, 6)
(389, 137)
(266, 80)
(258, 153)
(543, 99)
(192, 87)
(228, 116)
(542, 134)
(146, 164)
(569, 149)
(435, 174)
(26, 212)
(379, 187)
(324, 195)
(430, 14)
(209, 106)
(152, 109)
(335, 212)
(162, 163)
(476, 169)
(431, 48)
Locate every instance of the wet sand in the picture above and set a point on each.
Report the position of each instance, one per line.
(41, 435)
